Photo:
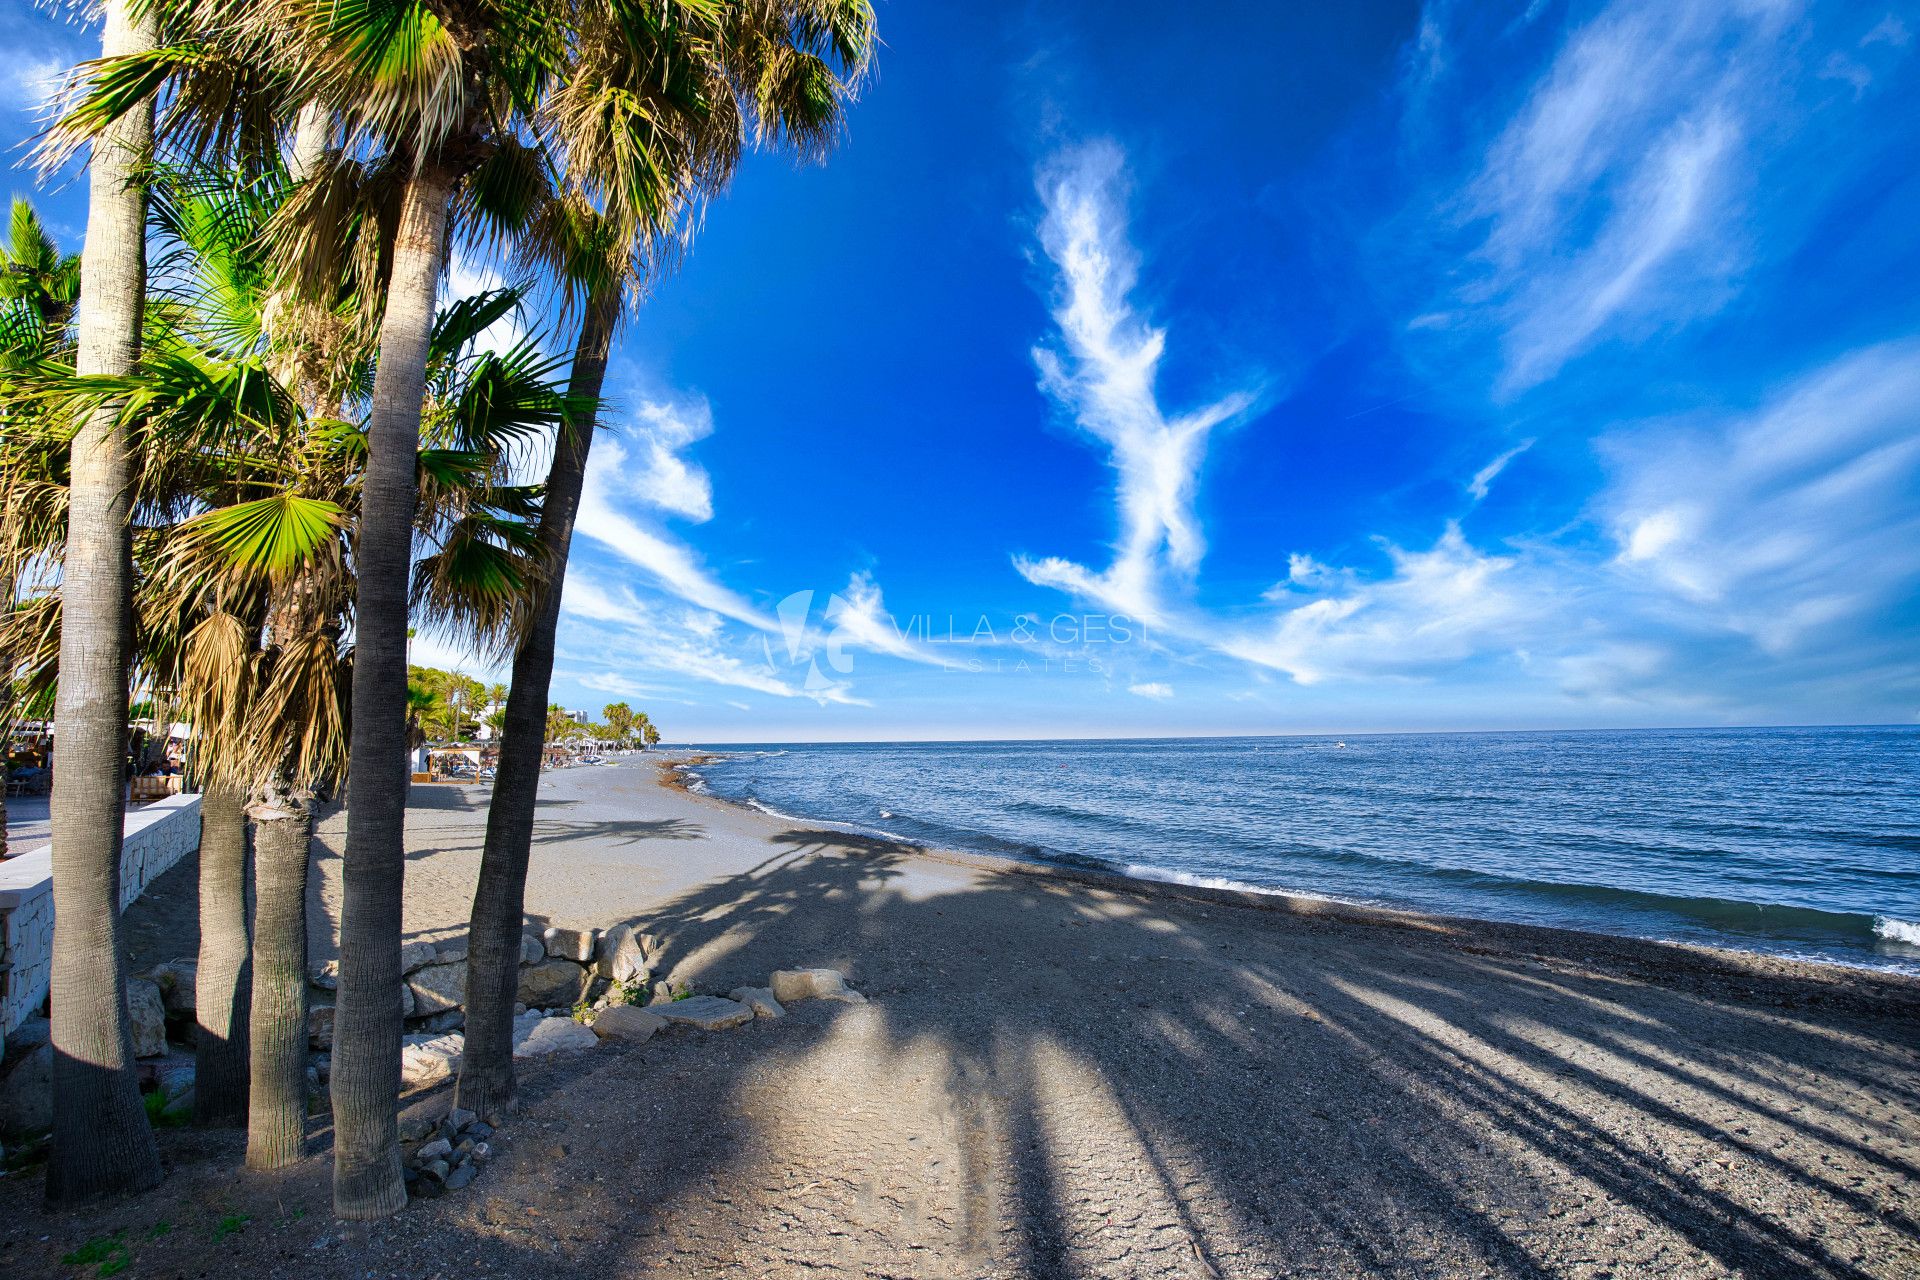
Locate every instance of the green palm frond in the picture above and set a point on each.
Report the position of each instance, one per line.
(476, 582)
(465, 319)
(504, 399)
(274, 536)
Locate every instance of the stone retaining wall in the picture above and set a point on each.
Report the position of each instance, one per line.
(156, 837)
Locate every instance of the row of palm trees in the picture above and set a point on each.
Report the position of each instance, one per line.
(250, 483)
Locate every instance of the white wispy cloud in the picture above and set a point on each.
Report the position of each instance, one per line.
(660, 431)
(33, 77)
(860, 618)
(1435, 608)
(675, 642)
(1782, 521)
(1483, 478)
(1610, 202)
(1102, 374)
(669, 564)
(1151, 689)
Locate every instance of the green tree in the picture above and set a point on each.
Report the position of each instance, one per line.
(619, 719)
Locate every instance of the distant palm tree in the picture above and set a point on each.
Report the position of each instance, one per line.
(37, 292)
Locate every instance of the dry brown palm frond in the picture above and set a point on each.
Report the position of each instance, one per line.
(332, 239)
(217, 687)
(299, 727)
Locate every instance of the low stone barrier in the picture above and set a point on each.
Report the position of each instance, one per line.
(156, 837)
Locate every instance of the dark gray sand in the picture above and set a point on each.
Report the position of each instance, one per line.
(1058, 1077)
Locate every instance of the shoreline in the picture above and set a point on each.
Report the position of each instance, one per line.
(1060, 1072)
(1653, 954)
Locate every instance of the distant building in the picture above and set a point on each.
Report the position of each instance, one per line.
(579, 717)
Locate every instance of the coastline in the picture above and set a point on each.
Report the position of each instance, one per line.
(1645, 955)
(1059, 1072)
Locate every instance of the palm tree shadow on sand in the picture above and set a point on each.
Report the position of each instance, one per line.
(1214, 1100)
(1055, 1079)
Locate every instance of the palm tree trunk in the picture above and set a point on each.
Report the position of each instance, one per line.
(102, 1144)
(367, 1018)
(499, 901)
(277, 1105)
(312, 136)
(221, 984)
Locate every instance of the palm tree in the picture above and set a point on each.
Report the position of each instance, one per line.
(466, 99)
(263, 555)
(102, 1143)
(768, 62)
(619, 719)
(38, 288)
(650, 734)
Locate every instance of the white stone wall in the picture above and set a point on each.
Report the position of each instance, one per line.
(157, 836)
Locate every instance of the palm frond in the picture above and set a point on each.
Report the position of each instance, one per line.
(274, 536)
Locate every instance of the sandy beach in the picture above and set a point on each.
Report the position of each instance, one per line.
(1060, 1075)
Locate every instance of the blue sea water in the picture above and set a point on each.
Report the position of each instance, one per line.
(1795, 841)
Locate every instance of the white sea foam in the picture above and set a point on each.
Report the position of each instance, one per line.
(1137, 871)
(1901, 931)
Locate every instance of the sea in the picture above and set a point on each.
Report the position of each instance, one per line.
(1794, 841)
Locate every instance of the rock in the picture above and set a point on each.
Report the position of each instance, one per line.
(147, 1015)
(551, 1035)
(426, 1060)
(758, 999)
(433, 1150)
(813, 984)
(461, 1117)
(26, 1094)
(451, 1020)
(451, 952)
(176, 982)
(437, 987)
(438, 1168)
(326, 976)
(570, 944)
(415, 954)
(532, 949)
(628, 1022)
(481, 1153)
(552, 984)
(480, 1130)
(708, 1013)
(172, 1075)
(320, 1026)
(414, 1126)
(620, 957)
(460, 1177)
(30, 1034)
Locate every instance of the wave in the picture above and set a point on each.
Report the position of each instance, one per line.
(1160, 875)
(1904, 932)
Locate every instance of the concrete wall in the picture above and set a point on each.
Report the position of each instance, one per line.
(157, 837)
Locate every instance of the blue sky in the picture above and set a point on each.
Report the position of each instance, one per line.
(1253, 368)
